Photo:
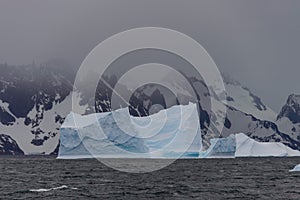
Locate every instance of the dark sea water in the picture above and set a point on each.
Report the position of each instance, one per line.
(247, 178)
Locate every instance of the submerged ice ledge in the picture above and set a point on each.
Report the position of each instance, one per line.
(171, 133)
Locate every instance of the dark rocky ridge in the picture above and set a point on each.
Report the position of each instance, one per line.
(291, 109)
(31, 87)
(9, 146)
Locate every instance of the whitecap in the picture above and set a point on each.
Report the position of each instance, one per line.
(50, 189)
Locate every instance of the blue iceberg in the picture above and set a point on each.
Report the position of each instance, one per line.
(240, 145)
(221, 148)
(170, 133)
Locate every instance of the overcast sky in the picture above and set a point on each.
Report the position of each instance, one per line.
(256, 42)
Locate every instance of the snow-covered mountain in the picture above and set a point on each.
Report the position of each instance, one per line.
(245, 112)
(241, 98)
(9, 146)
(291, 109)
(34, 101)
(33, 104)
(288, 120)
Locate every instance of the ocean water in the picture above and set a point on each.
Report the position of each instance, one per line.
(242, 178)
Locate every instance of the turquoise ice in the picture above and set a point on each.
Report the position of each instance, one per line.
(170, 133)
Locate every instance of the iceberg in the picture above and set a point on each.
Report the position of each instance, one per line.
(178, 135)
(240, 145)
(295, 169)
(221, 148)
(248, 147)
(98, 135)
(171, 133)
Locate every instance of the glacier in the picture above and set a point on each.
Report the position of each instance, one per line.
(170, 133)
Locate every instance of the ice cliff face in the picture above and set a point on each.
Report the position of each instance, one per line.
(98, 135)
(174, 132)
(220, 148)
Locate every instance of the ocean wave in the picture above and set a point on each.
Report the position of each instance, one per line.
(50, 189)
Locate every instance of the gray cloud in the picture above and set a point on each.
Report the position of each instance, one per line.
(256, 42)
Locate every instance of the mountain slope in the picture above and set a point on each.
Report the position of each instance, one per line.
(241, 98)
(34, 101)
(33, 104)
(9, 146)
(288, 120)
(291, 109)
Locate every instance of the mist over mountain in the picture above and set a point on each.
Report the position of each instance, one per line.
(29, 96)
